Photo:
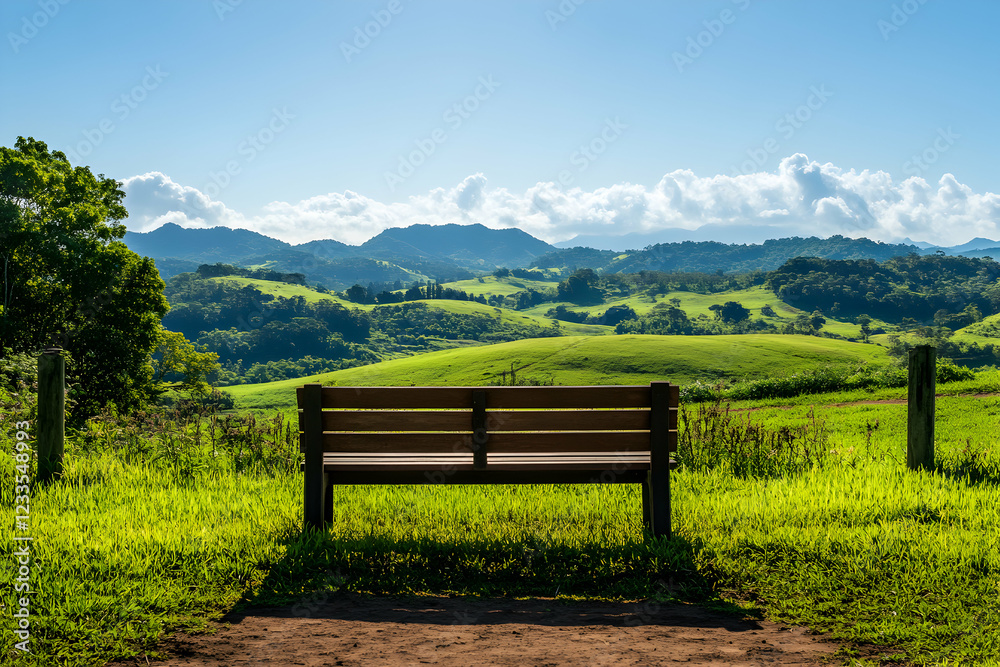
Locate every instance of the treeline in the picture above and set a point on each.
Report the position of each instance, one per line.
(219, 270)
(914, 289)
(711, 256)
(418, 291)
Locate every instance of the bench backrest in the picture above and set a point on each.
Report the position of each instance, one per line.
(489, 420)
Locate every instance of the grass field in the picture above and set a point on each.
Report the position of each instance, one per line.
(581, 360)
(695, 304)
(286, 290)
(491, 285)
(902, 565)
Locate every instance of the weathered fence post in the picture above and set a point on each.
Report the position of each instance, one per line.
(920, 408)
(51, 413)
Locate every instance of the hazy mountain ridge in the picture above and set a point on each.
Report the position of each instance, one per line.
(455, 252)
(444, 252)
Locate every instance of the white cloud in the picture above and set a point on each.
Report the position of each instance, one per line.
(803, 198)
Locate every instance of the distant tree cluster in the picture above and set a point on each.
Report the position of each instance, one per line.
(219, 270)
(928, 288)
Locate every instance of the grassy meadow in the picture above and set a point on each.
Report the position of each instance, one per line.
(583, 360)
(800, 510)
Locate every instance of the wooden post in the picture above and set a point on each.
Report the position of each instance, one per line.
(315, 477)
(51, 413)
(920, 408)
(659, 459)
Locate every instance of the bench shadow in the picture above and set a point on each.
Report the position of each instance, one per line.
(419, 581)
(468, 611)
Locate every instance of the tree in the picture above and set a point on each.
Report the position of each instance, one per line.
(68, 280)
(178, 364)
(731, 312)
(581, 287)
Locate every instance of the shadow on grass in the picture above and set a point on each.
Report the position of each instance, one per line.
(325, 576)
(972, 469)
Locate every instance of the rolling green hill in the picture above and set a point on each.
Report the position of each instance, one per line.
(458, 307)
(581, 360)
(491, 285)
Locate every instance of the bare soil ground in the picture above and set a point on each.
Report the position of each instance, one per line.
(354, 630)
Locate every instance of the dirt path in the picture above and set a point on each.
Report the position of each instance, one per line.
(352, 630)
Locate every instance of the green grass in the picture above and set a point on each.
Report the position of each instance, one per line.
(695, 304)
(859, 548)
(492, 285)
(582, 360)
(286, 290)
(986, 331)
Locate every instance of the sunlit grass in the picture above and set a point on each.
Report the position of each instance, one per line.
(856, 545)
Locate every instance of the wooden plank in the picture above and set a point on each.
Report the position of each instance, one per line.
(314, 490)
(619, 396)
(569, 420)
(500, 420)
(398, 420)
(488, 476)
(521, 459)
(439, 443)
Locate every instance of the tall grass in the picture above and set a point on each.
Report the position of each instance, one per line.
(712, 436)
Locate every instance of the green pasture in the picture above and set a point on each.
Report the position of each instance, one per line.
(582, 360)
(491, 285)
(695, 304)
(899, 565)
(286, 290)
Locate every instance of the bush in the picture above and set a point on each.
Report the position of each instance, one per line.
(817, 382)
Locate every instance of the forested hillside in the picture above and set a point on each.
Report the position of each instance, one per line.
(712, 256)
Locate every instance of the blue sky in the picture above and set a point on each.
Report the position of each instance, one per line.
(339, 118)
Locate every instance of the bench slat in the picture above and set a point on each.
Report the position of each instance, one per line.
(470, 476)
(499, 420)
(497, 397)
(499, 443)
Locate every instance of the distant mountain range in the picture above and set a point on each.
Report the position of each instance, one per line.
(455, 252)
(434, 252)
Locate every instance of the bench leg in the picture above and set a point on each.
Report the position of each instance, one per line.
(659, 503)
(327, 498)
(645, 506)
(317, 489)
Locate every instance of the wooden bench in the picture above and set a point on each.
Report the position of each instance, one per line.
(489, 435)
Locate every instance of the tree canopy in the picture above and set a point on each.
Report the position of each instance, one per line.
(66, 278)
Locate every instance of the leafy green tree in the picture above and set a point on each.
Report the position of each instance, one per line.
(68, 280)
(731, 312)
(179, 364)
